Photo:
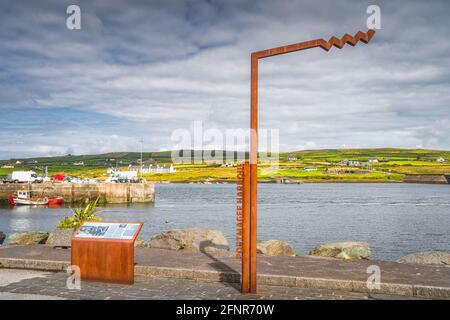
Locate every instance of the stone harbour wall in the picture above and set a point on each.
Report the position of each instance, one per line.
(77, 192)
(427, 178)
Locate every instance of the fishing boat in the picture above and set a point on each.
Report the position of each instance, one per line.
(55, 201)
(23, 197)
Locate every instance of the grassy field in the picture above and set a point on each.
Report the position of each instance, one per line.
(393, 165)
(195, 173)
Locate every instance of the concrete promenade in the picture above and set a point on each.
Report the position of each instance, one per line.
(17, 284)
(416, 281)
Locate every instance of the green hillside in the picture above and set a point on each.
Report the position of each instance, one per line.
(364, 154)
(387, 164)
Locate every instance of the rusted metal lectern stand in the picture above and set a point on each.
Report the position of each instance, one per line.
(105, 259)
(246, 239)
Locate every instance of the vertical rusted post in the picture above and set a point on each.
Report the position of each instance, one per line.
(239, 207)
(253, 170)
(245, 255)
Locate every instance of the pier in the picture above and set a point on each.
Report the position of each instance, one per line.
(428, 178)
(78, 192)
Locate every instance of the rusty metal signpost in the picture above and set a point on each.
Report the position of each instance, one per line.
(247, 172)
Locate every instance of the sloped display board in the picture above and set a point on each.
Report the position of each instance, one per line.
(104, 251)
(107, 230)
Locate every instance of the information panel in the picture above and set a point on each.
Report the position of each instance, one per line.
(108, 230)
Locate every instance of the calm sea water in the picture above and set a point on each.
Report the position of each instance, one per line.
(395, 219)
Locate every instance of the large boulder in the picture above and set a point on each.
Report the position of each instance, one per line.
(60, 237)
(275, 248)
(430, 257)
(194, 239)
(140, 243)
(2, 237)
(343, 250)
(29, 238)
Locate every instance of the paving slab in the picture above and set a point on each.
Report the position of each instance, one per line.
(302, 272)
(53, 286)
(8, 276)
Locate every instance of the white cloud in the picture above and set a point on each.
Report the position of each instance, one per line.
(160, 65)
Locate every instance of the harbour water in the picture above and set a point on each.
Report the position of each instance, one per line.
(395, 219)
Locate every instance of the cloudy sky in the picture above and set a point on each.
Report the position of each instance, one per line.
(147, 68)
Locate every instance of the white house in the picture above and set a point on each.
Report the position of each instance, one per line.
(292, 158)
(227, 165)
(153, 169)
(440, 159)
(373, 160)
(354, 163)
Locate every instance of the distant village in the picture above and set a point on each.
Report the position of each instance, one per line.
(132, 167)
(352, 166)
(117, 170)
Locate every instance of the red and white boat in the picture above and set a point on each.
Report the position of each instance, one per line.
(55, 201)
(23, 197)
